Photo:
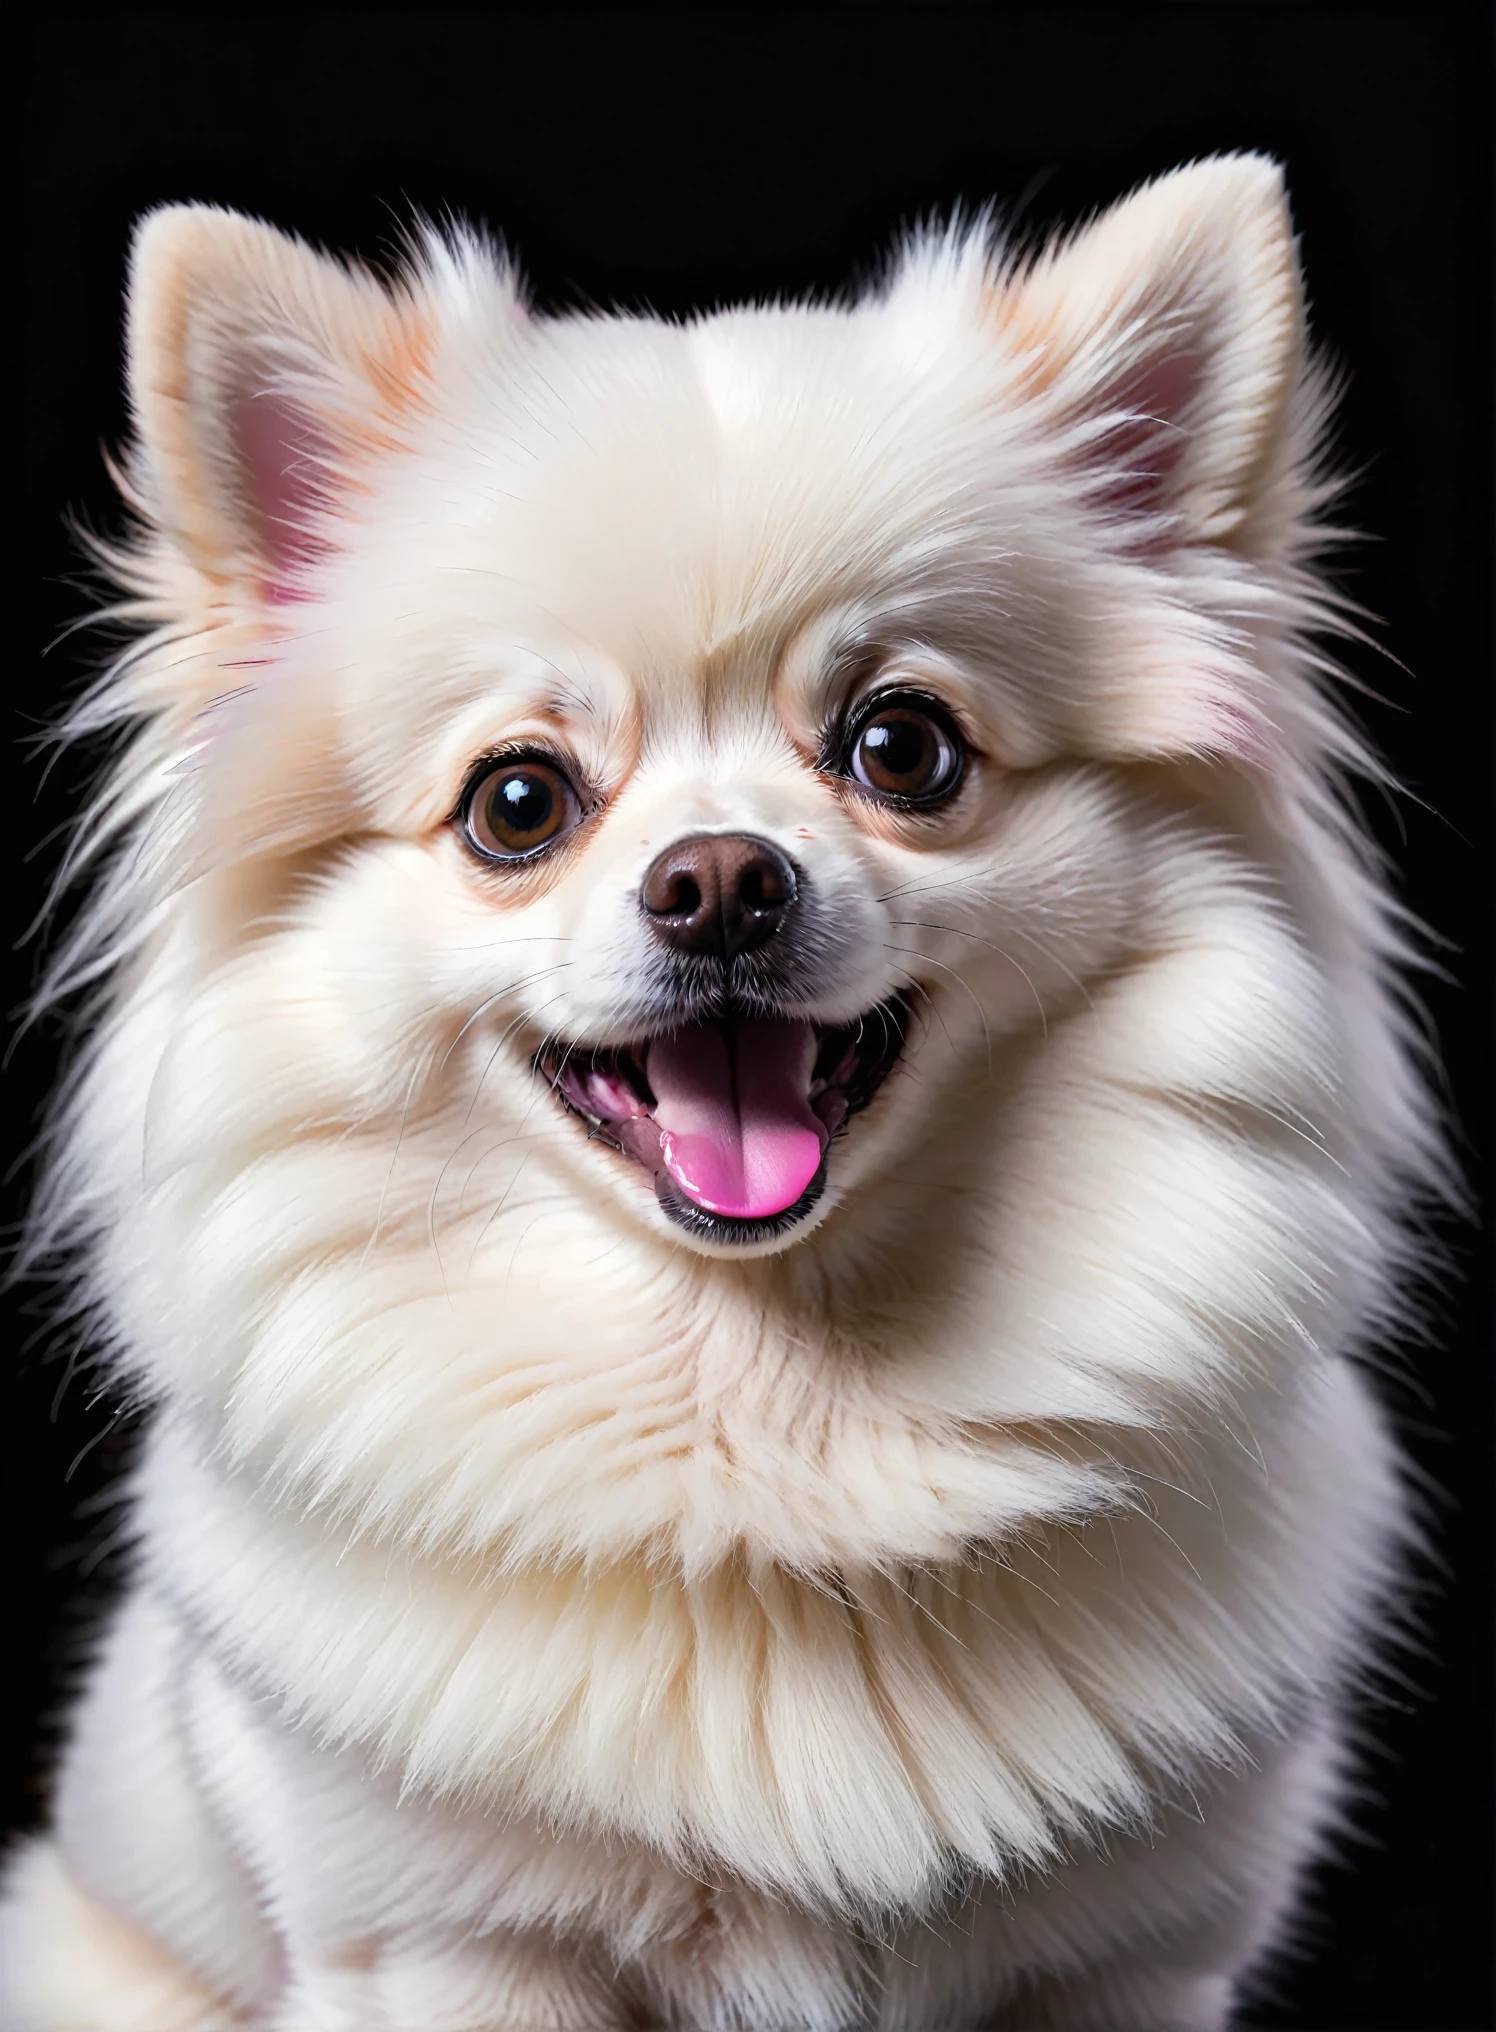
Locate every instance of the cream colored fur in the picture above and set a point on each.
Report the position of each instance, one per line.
(944, 1617)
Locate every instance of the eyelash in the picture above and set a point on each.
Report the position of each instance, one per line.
(840, 732)
(515, 753)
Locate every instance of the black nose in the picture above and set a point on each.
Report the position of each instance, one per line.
(721, 894)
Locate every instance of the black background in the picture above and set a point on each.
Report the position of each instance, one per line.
(683, 159)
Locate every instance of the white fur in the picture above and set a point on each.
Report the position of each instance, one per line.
(944, 1617)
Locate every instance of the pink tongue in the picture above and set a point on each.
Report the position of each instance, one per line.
(733, 1110)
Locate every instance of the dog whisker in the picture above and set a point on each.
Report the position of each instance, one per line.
(918, 924)
(500, 995)
(415, 1074)
(913, 953)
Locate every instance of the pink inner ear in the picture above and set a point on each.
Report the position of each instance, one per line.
(283, 456)
(1143, 452)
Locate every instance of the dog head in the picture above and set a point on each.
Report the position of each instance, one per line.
(721, 736)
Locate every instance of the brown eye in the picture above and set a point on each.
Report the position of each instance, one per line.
(907, 750)
(517, 807)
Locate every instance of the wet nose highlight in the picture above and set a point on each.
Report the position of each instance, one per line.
(718, 894)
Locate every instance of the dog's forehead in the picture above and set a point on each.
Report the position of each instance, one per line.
(683, 498)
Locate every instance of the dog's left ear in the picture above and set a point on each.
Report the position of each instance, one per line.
(1167, 338)
(265, 379)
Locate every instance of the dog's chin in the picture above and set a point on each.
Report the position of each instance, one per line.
(736, 1118)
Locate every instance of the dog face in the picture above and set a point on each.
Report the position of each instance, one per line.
(707, 858)
(703, 747)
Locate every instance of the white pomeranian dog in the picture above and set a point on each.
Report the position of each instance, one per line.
(748, 1103)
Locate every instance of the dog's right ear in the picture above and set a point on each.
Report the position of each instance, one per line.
(263, 377)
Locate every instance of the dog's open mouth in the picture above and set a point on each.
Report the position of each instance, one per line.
(734, 1118)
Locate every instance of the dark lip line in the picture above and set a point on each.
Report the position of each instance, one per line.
(740, 1228)
(866, 1077)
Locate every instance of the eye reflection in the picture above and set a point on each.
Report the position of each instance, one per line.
(906, 750)
(518, 807)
